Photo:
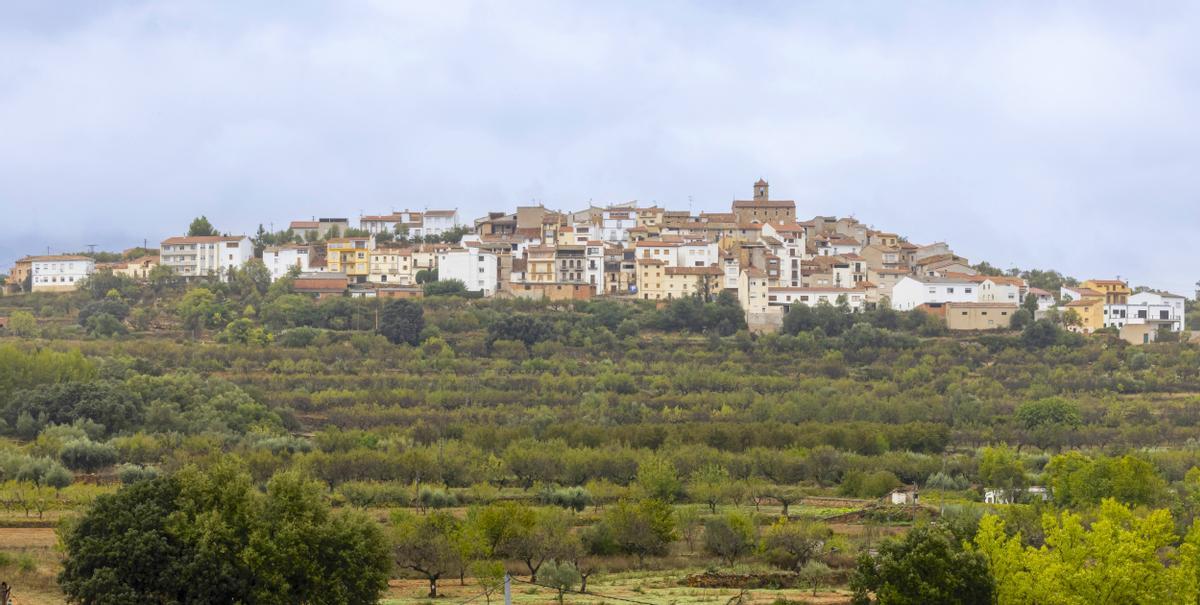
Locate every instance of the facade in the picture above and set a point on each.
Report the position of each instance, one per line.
(20, 276)
(138, 269)
(785, 296)
(60, 272)
(205, 256)
(476, 269)
(1090, 311)
(438, 222)
(753, 291)
(279, 260)
(350, 255)
(1002, 289)
(405, 222)
(912, 291)
(980, 315)
(321, 285)
(1115, 292)
(762, 208)
(1158, 309)
(320, 228)
(391, 265)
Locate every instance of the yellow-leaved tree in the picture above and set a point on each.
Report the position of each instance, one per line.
(1121, 557)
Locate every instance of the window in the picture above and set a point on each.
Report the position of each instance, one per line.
(949, 290)
(967, 290)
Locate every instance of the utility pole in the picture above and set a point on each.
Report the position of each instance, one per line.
(507, 590)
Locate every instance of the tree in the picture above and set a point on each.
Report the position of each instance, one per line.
(23, 324)
(211, 537)
(445, 287)
(814, 574)
(525, 328)
(729, 536)
(1001, 468)
(928, 566)
(561, 576)
(199, 309)
(790, 545)
(710, 484)
(87, 456)
(489, 575)
(548, 538)
(1118, 558)
(200, 227)
(122, 549)
(425, 544)
(1040, 334)
(644, 528)
(402, 322)
(1080, 481)
(657, 479)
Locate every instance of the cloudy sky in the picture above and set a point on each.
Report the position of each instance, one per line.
(1038, 135)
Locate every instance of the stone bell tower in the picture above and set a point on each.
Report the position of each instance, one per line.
(760, 191)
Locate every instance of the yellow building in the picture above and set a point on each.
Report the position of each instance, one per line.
(1090, 311)
(350, 255)
(1116, 292)
(656, 281)
(392, 265)
(539, 267)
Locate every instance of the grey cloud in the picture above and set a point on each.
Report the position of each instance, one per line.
(1049, 135)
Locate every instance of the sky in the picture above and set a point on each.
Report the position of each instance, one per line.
(1039, 134)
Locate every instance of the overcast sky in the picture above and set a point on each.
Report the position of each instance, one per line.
(1038, 135)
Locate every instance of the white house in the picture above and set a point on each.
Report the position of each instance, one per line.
(477, 269)
(59, 273)
(438, 222)
(1163, 309)
(855, 298)
(615, 223)
(281, 259)
(1002, 289)
(913, 291)
(383, 223)
(1045, 300)
(205, 256)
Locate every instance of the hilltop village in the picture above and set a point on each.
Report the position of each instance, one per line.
(758, 251)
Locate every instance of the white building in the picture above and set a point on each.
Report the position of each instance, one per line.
(855, 298)
(205, 256)
(912, 291)
(593, 272)
(1045, 300)
(615, 224)
(390, 223)
(438, 222)
(281, 259)
(1002, 289)
(1162, 309)
(60, 273)
(476, 269)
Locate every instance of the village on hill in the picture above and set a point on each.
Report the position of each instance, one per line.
(758, 251)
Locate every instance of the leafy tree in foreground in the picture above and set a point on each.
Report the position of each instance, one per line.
(211, 537)
(926, 567)
(1119, 558)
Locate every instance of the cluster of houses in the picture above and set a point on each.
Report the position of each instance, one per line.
(758, 250)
